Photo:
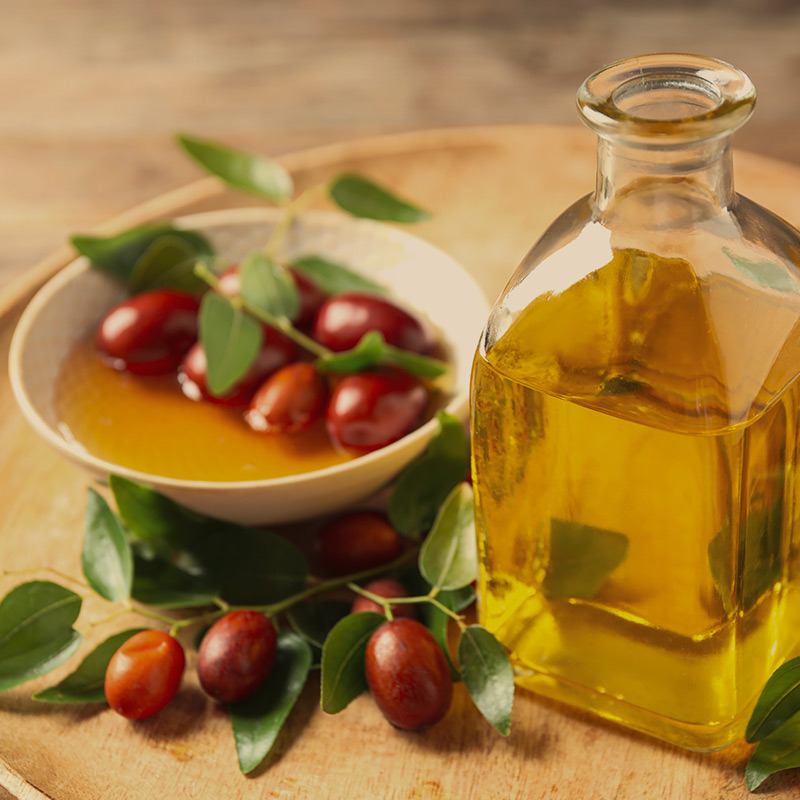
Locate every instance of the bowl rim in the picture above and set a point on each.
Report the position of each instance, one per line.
(457, 405)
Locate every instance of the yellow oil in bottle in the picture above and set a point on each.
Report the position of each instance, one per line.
(635, 471)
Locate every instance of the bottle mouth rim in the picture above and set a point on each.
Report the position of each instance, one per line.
(671, 98)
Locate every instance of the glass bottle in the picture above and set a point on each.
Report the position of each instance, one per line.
(635, 410)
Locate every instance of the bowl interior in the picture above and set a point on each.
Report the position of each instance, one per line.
(70, 306)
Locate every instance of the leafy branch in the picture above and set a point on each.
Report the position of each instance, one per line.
(160, 256)
(153, 549)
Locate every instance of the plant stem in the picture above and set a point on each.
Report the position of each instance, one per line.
(51, 570)
(146, 612)
(335, 583)
(111, 617)
(282, 325)
(290, 212)
(272, 609)
(388, 602)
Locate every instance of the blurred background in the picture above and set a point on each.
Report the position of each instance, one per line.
(92, 91)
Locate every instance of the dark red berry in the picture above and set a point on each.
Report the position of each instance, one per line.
(369, 410)
(236, 655)
(408, 674)
(289, 401)
(355, 542)
(149, 333)
(344, 318)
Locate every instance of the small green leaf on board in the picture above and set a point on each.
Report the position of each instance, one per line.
(777, 752)
(437, 622)
(487, 673)
(251, 566)
(36, 633)
(85, 684)
(160, 583)
(152, 517)
(778, 702)
(258, 720)
(448, 557)
(106, 558)
(343, 677)
(425, 483)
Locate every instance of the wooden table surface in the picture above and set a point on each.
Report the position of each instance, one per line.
(92, 92)
(89, 753)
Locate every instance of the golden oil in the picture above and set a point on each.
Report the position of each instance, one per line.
(636, 494)
(147, 424)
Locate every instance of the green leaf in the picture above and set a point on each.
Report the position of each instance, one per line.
(167, 263)
(364, 198)
(154, 518)
(231, 340)
(771, 274)
(487, 673)
(314, 621)
(85, 685)
(448, 557)
(778, 702)
(251, 567)
(779, 751)
(343, 677)
(269, 287)
(160, 583)
(421, 366)
(36, 633)
(582, 558)
(257, 721)
(247, 172)
(437, 622)
(119, 254)
(367, 353)
(106, 559)
(425, 483)
(334, 278)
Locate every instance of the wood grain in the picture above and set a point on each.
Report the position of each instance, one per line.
(492, 193)
(92, 91)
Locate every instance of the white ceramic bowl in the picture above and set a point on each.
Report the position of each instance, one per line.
(70, 306)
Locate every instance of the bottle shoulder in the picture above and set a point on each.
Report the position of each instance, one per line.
(704, 323)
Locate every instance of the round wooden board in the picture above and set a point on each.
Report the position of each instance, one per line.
(492, 191)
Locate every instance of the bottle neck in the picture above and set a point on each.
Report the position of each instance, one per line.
(702, 168)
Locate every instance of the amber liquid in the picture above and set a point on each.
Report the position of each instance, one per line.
(636, 495)
(147, 424)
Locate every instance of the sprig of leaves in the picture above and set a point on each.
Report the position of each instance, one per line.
(775, 725)
(156, 552)
(448, 562)
(161, 256)
(151, 256)
(265, 178)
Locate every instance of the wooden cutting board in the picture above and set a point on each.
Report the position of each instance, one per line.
(492, 192)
